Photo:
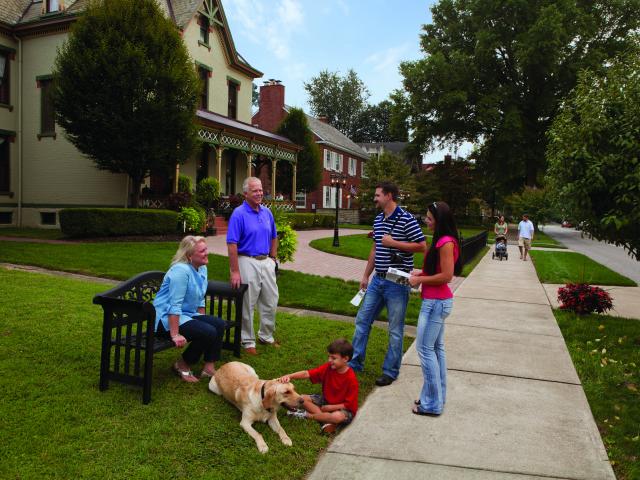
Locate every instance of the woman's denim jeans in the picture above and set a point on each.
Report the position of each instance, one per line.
(205, 334)
(381, 293)
(430, 347)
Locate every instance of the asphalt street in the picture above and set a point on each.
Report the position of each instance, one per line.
(616, 258)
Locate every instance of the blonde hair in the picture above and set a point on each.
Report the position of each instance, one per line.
(186, 248)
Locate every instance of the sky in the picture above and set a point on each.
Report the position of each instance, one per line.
(294, 40)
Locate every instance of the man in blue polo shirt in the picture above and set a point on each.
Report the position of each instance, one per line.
(397, 236)
(252, 243)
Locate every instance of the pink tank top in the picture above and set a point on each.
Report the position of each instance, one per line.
(442, 291)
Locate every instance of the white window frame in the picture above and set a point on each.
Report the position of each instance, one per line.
(301, 199)
(363, 175)
(353, 166)
(338, 162)
(327, 159)
(331, 201)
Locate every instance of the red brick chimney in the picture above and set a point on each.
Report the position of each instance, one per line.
(271, 106)
(323, 119)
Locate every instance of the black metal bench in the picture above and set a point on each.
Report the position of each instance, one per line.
(128, 339)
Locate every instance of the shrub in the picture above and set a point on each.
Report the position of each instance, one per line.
(584, 299)
(107, 222)
(185, 184)
(208, 192)
(287, 243)
(192, 219)
(179, 200)
(301, 221)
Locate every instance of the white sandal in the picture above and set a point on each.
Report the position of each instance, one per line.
(184, 374)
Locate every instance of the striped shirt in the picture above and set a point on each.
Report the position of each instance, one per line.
(405, 229)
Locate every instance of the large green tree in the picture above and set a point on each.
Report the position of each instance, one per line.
(495, 72)
(451, 181)
(374, 125)
(386, 167)
(594, 153)
(125, 90)
(341, 99)
(309, 166)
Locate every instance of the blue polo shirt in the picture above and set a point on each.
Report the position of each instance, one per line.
(252, 231)
(181, 293)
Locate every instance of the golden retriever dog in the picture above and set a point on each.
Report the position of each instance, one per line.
(258, 400)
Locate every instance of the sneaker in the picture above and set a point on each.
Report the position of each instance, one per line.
(384, 380)
(299, 414)
(329, 428)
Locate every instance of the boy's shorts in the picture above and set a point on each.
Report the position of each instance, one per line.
(319, 400)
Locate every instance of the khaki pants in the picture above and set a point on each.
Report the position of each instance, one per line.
(260, 275)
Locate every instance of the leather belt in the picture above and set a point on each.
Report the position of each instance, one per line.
(257, 257)
(381, 274)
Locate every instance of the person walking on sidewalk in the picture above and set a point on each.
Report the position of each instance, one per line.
(525, 236)
(441, 263)
(252, 244)
(397, 236)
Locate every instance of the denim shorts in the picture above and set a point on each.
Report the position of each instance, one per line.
(319, 400)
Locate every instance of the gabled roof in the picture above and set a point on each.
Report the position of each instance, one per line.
(28, 13)
(333, 137)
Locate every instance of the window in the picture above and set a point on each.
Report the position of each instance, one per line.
(329, 197)
(233, 99)
(301, 200)
(6, 218)
(47, 113)
(52, 5)
(204, 29)
(353, 165)
(203, 73)
(47, 218)
(364, 175)
(4, 77)
(337, 162)
(327, 159)
(5, 180)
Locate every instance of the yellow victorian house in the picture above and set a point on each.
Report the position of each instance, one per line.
(41, 172)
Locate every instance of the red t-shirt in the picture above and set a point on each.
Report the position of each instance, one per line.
(337, 387)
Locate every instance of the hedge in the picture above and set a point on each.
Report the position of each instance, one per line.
(300, 221)
(113, 222)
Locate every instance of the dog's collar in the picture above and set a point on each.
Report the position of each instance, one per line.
(262, 394)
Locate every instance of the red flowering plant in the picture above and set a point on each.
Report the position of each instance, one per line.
(583, 299)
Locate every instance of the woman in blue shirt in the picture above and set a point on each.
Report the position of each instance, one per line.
(180, 308)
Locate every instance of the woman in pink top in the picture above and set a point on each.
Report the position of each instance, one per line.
(442, 261)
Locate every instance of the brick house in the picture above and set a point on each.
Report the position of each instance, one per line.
(339, 155)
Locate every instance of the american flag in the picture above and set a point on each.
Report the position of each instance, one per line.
(352, 191)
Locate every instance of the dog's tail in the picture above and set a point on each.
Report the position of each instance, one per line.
(213, 386)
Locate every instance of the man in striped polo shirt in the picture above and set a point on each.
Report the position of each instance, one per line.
(397, 236)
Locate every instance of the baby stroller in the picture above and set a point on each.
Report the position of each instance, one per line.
(501, 248)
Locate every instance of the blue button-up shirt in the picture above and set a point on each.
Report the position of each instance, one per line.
(252, 231)
(181, 293)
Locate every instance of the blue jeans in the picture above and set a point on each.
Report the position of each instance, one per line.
(204, 334)
(430, 347)
(381, 293)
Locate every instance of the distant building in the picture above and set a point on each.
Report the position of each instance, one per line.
(339, 154)
(396, 148)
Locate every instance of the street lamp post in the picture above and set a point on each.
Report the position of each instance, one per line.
(338, 180)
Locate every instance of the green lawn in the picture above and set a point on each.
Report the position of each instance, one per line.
(573, 267)
(359, 246)
(57, 424)
(606, 353)
(541, 239)
(122, 260)
(25, 232)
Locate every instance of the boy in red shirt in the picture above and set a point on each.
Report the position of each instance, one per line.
(338, 403)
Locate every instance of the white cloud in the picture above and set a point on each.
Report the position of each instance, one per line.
(273, 26)
(388, 59)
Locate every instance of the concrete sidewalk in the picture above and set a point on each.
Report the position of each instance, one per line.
(515, 408)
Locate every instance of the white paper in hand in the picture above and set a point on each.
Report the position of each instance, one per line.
(355, 301)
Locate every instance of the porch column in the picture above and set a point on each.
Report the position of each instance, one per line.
(274, 162)
(175, 180)
(249, 160)
(295, 173)
(219, 151)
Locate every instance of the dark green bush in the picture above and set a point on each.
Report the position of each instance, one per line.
(113, 222)
(301, 221)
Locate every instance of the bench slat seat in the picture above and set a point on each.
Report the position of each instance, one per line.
(128, 338)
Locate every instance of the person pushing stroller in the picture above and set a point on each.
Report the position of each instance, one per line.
(501, 228)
